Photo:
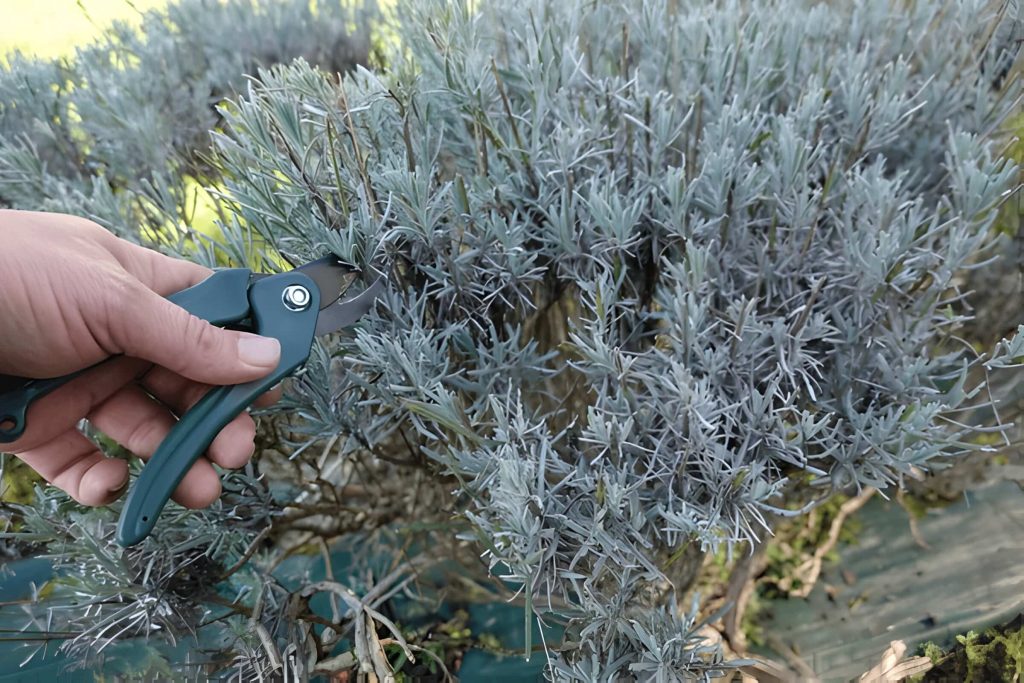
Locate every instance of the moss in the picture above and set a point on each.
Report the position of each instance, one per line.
(933, 652)
(995, 655)
(18, 481)
(919, 503)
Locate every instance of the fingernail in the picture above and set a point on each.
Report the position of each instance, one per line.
(259, 351)
(119, 489)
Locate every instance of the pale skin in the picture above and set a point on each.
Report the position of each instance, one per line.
(71, 295)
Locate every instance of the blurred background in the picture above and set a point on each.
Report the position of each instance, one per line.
(52, 28)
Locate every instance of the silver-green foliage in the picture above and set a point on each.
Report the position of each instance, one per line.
(660, 269)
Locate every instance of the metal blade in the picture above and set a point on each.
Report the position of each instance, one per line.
(331, 276)
(345, 313)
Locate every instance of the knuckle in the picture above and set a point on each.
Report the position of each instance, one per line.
(144, 437)
(107, 300)
(193, 394)
(202, 335)
(69, 482)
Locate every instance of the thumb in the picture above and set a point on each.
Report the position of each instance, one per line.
(152, 328)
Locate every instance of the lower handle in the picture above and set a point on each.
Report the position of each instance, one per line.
(194, 433)
(186, 442)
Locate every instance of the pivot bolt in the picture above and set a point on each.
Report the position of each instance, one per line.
(296, 297)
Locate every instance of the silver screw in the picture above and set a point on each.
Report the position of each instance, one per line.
(296, 297)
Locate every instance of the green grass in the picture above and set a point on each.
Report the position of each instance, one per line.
(53, 28)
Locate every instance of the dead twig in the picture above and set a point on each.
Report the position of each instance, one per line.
(915, 528)
(369, 652)
(795, 662)
(809, 571)
(894, 667)
(447, 674)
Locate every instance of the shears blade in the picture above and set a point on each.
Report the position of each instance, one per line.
(344, 313)
(333, 278)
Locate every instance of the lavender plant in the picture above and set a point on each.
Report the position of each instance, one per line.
(660, 271)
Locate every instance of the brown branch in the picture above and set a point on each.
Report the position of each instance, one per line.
(246, 555)
(741, 589)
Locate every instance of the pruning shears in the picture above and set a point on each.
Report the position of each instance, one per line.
(292, 307)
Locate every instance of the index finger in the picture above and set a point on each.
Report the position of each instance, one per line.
(162, 274)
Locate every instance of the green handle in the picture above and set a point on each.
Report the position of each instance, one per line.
(219, 299)
(14, 403)
(192, 435)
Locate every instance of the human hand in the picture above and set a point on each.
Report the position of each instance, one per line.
(71, 295)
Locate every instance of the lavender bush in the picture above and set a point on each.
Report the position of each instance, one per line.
(661, 271)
